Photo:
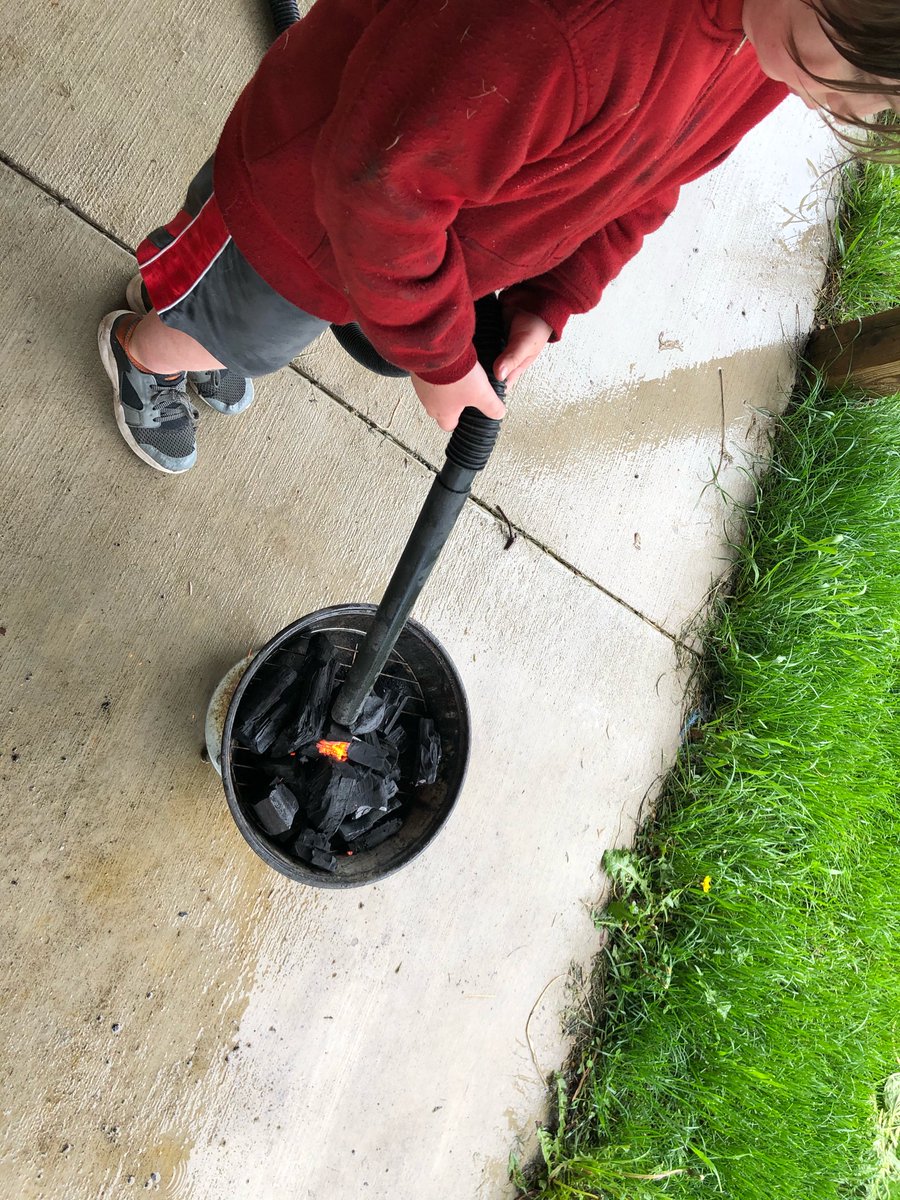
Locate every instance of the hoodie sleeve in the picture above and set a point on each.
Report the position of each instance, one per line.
(577, 283)
(440, 103)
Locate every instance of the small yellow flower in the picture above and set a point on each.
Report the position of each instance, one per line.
(706, 884)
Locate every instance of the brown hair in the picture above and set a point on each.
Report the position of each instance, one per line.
(867, 34)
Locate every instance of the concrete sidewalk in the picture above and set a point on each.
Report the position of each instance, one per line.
(179, 1018)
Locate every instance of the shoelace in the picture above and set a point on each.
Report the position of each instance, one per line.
(172, 405)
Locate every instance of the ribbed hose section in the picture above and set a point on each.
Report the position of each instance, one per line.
(473, 439)
(354, 341)
(284, 14)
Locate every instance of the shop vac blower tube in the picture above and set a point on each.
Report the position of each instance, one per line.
(467, 452)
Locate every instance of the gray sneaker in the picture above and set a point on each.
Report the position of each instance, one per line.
(224, 390)
(153, 412)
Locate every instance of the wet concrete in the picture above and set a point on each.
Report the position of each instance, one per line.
(615, 432)
(182, 1020)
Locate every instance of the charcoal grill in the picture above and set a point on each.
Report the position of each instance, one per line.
(422, 664)
(377, 645)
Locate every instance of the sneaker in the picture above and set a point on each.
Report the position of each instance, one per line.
(224, 390)
(153, 412)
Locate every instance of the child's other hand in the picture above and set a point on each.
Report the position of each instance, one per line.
(526, 337)
(445, 401)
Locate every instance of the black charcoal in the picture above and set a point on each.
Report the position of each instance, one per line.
(377, 835)
(312, 839)
(355, 803)
(326, 811)
(429, 752)
(367, 794)
(315, 849)
(371, 715)
(396, 738)
(395, 703)
(264, 731)
(277, 811)
(263, 692)
(287, 769)
(359, 823)
(387, 790)
(311, 698)
(364, 755)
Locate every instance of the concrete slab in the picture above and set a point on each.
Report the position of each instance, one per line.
(615, 431)
(182, 1019)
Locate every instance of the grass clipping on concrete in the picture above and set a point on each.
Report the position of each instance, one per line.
(749, 983)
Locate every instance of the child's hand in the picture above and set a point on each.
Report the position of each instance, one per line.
(445, 401)
(526, 337)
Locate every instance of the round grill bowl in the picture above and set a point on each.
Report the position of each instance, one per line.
(418, 659)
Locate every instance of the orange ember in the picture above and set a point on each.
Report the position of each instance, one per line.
(336, 750)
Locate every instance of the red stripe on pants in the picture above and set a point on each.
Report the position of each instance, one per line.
(171, 273)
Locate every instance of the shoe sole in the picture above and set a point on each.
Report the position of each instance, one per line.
(104, 335)
(225, 412)
(135, 300)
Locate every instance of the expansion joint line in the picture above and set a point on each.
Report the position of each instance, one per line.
(494, 512)
(73, 208)
(63, 202)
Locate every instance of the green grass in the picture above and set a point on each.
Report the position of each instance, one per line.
(749, 1027)
(885, 1186)
(865, 276)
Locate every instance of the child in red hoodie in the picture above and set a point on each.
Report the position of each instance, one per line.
(392, 160)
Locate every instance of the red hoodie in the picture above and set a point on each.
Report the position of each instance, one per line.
(391, 160)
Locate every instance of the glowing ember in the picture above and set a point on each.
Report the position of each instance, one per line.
(336, 750)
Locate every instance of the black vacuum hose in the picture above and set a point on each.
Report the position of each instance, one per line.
(358, 346)
(284, 14)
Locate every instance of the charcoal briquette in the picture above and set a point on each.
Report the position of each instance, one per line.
(263, 692)
(312, 701)
(315, 849)
(365, 755)
(371, 715)
(378, 834)
(278, 809)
